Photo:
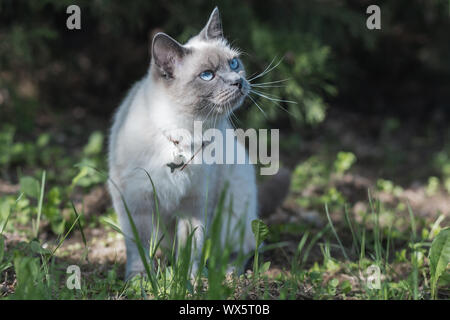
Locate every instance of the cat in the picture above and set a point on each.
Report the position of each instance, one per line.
(202, 80)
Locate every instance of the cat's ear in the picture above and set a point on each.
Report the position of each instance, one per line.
(166, 53)
(213, 29)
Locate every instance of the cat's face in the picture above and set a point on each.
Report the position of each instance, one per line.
(205, 75)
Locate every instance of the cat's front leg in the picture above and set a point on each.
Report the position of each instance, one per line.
(190, 238)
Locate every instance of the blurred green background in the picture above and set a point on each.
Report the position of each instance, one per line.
(330, 56)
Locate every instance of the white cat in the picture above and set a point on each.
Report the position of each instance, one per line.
(202, 80)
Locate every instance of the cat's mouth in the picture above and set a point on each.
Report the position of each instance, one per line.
(230, 104)
(231, 100)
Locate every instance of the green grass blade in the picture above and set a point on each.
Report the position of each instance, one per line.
(79, 224)
(335, 233)
(41, 199)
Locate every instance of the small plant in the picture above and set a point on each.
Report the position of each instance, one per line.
(439, 258)
(260, 231)
(315, 176)
(344, 161)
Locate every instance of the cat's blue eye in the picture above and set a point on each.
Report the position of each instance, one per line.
(234, 64)
(207, 75)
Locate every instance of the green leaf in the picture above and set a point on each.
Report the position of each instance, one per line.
(346, 286)
(43, 140)
(260, 230)
(334, 282)
(110, 222)
(36, 247)
(95, 144)
(344, 162)
(265, 267)
(206, 251)
(444, 280)
(5, 211)
(30, 186)
(439, 257)
(2, 248)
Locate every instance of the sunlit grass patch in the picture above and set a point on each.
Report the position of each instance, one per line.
(366, 264)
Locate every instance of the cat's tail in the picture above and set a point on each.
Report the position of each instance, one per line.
(273, 191)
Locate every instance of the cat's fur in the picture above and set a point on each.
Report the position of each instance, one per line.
(145, 134)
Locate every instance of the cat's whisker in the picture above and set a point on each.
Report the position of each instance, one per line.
(268, 86)
(256, 73)
(253, 74)
(265, 115)
(229, 112)
(208, 109)
(211, 108)
(278, 105)
(271, 82)
(235, 117)
(215, 118)
(266, 71)
(244, 53)
(265, 95)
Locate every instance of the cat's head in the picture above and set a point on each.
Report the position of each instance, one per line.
(205, 75)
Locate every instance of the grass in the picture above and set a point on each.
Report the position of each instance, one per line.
(39, 273)
(43, 231)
